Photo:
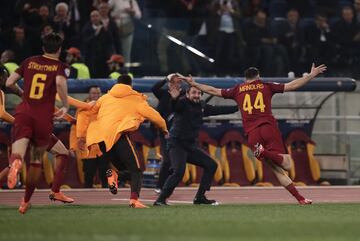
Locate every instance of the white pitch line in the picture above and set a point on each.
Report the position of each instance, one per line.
(189, 188)
(150, 200)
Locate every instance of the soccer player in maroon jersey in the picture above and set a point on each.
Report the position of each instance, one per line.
(43, 76)
(254, 100)
(56, 147)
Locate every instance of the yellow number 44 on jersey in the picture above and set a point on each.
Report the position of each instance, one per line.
(258, 103)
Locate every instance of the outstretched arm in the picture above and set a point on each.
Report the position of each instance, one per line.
(206, 88)
(69, 118)
(153, 116)
(297, 83)
(77, 103)
(211, 110)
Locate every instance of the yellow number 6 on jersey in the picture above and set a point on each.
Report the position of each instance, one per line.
(37, 87)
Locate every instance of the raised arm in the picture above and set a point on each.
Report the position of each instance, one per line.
(206, 88)
(177, 103)
(156, 89)
(297, 83)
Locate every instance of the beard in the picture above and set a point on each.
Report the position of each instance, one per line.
(196, 100)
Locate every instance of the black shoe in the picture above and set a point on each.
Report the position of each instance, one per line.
(204, 200)
(160, 203)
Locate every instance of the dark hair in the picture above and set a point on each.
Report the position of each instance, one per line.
(4, 70)
(124, 79)
(188, 88)
(251, 73)
(52, 43)
(4, 74)
(93, 86)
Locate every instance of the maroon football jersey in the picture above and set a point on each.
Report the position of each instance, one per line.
(254, 101)
(39, 75)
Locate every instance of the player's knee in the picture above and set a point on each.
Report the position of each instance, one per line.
(59, 149)
(64, 152)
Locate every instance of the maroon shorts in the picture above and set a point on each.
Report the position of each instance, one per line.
(269, 136)
(38, 130)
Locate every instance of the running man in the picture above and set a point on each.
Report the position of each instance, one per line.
(119, 112)
(56, 147)
(43, 76)
(254, 101)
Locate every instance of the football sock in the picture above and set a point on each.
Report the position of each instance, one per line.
(292, 189)
(61, 165)
(134, 195)
(33, 175)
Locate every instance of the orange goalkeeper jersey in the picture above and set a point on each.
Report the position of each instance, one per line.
(122, 109)
(79, 130)
(3, 113)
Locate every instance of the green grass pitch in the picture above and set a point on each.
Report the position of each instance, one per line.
(183, 222)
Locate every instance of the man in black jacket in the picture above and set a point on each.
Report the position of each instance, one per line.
(164, 107)
(189, 111)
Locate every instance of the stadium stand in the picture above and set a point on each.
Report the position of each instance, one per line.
(238, 167)
(301, 148)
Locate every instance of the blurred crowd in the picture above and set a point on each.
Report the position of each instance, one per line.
(281, 37)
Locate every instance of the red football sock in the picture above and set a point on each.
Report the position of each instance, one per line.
(61, 165)
(134, 195)
(274, 156)
(33, 175)
(292, 189)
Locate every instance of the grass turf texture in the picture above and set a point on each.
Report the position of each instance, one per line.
(187, 222)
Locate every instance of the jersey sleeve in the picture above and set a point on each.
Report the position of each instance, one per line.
(63, 70)
(230, 93)
(277, 87)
